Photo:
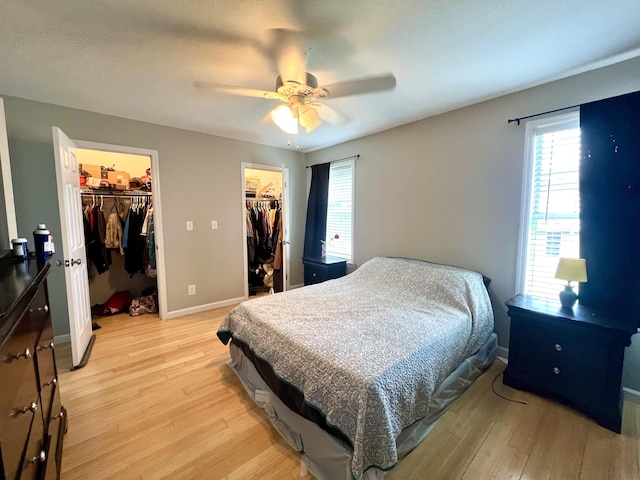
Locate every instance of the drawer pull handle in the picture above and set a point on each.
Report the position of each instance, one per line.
(44, 309)
(30, 408)
(40, 458)
(46, 345)
(15, 356)
(558, 347)
(556, 370)
(313, 274)
(60, 415)
(53, 381)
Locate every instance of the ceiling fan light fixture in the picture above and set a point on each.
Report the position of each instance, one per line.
(309, 118)
(283, 117)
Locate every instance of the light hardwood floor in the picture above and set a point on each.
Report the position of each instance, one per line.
(156, 400)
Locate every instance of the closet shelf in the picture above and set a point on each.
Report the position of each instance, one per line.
(114, 193)
(261, 199)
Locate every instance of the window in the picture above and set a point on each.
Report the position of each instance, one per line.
(550, 226)
(339, 239)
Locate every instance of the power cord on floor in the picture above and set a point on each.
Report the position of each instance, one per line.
(502, 396)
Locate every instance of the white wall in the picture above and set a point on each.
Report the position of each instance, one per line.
(448, 188)
(200, 180)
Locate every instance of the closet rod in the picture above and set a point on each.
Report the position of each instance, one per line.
(116, 195)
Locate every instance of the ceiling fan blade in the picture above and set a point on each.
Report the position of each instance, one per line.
(290, 56)
(332, 116)
(359, 86)
(246, 92)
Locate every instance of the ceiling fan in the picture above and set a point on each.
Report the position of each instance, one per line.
(299, 89)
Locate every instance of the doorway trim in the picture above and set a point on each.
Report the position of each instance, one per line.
(157, 210)
(285, 192)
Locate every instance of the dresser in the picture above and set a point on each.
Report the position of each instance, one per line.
(32, 420)
(320, 269)
(574, 356)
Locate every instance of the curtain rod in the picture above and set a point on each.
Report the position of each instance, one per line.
(511, 120)
(345, 158)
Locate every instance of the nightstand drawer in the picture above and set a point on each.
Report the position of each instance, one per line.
(314, 274)
(320, 269)
(568, 364)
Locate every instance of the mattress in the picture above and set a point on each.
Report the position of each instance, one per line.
(369, 350)
(329, 457)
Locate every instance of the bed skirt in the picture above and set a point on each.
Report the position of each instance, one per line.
(328, 457)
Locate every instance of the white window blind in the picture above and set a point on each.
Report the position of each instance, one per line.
(551, 213)
(340, 210)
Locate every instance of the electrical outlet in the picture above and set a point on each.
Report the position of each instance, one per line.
(189, 225)
(192, 289)
(214, 224)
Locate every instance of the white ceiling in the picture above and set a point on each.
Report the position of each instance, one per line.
(139, 59)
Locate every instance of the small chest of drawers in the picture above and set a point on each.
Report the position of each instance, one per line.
(320, 269)
(574, 356)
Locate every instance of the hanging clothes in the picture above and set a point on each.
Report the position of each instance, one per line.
(134, 250)
(94, 225)
(149, 257)
(114, 232)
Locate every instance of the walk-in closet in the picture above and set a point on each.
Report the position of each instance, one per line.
(117, 207)
(265, 222)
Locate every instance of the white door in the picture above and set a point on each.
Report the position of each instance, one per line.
(285, 231)
(73, 247)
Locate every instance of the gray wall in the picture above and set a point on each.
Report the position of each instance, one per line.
(200, 180)
(449, 188)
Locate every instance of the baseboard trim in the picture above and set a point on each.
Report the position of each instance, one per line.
(66, 338)
(631, 395)
(203, 308)
(503, 352)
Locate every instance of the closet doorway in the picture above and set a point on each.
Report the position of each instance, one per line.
(265, 225)
(143, 273)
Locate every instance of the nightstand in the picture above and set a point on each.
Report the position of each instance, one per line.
(320, 269)
(573, 356)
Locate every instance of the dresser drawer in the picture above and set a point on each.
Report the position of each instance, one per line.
(46, 368)
(55, 440)
(19, 402)
(35, 453)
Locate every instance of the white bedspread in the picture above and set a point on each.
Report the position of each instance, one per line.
(370, 348)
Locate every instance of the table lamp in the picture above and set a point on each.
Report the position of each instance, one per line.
(571, 270)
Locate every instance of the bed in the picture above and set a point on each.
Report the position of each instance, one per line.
(354, 372)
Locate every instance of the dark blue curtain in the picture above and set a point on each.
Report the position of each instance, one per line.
(610, 202)
(316, 226)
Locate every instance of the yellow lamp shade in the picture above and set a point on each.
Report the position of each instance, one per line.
(572, 269)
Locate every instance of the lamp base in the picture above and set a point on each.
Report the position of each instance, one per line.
(568, 297)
